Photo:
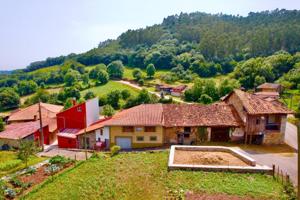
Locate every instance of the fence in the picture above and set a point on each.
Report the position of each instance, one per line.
(281, 176)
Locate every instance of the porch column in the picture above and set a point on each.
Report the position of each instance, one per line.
(208, 134)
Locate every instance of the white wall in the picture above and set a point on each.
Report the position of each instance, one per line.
(105, 134)
(92, 111)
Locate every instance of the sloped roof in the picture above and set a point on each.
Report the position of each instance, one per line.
(176, 115)
(256, 105)
(141, 115)
(96, 125)
(32, 112)
(200, 115)
(268, 86)
(19, 130)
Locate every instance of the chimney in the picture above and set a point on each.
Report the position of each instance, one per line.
(74, 101)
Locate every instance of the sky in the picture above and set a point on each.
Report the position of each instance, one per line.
(32, 30)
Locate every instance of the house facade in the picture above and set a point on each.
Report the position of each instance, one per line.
(72, 121)
(264, 121)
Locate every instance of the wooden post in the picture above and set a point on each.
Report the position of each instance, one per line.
(273, 170)
(41, 126)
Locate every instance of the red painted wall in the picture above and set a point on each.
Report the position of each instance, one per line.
(38, 136)
(64, 142)
(74, 117)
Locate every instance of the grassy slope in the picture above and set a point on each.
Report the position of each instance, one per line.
(10, 158)
(145, 176)
(110, 86)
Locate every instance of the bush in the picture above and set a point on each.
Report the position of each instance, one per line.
(59, 160)
(114, 150)
(108, 111)
(16, 182)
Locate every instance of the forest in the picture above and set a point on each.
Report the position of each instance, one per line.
(261, 47)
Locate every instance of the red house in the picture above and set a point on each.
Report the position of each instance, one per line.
(73, 120)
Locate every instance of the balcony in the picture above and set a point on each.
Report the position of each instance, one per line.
(273, 127)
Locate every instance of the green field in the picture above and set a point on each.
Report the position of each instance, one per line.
(10, 163)
(46, 69)
(144, 175)
(110, 86)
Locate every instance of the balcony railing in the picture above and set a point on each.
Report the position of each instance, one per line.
(273, 127)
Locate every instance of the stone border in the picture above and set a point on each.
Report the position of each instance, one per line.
(252, 168)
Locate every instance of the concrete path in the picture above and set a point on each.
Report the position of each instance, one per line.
(291, 135)
(79, 155)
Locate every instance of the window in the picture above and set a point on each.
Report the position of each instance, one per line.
(153, 138)
(187, 129)
(257, 121)
(127, 128)
(140, 138)
(186, 135)
(79, 109)
(150, 129)
(138, 129)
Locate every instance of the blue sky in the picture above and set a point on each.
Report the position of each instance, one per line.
(33, 30)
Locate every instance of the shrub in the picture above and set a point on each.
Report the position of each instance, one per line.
(16, 182)
(114, 150)
(59, 160)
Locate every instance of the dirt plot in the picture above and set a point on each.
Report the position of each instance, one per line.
(206, 158)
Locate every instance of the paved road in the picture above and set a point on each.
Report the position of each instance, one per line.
(291, 135)
(287, 162)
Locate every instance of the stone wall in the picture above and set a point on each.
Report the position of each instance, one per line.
(273, 137)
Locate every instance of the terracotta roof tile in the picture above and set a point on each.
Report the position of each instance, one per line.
(256, 105)
(32, 112)
(19, 130)
(269, 86)
(176, 115)
(141, 115)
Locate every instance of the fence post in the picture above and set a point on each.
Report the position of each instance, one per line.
(273, 170)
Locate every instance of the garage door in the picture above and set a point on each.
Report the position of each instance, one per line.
(124, 143)
(220, 134)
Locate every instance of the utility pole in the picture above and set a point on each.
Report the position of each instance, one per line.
(84, 138)
(41, 126)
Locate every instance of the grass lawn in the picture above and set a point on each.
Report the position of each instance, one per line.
(10, 163)
(145, 176)
(110, 86)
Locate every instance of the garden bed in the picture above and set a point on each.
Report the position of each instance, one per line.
(23, 183)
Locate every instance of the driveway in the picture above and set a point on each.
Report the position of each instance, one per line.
(79, 155)
(287, 162)
(291, 135)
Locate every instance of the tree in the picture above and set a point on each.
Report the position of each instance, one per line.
(125, 94)
(26, 149)
(41, 95)
(68, 92)
(9, 99)
(113, 99)
(227, 86)
(115, 69)
(150, 70)
(102, 77)
(89, 95)
(68, 104)
(205, 99)
(137, 74)
(259, 80)
(71, 77)
(27, 87)
(2, 125)
(108, 111)
(85, 78)
(102, 100)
